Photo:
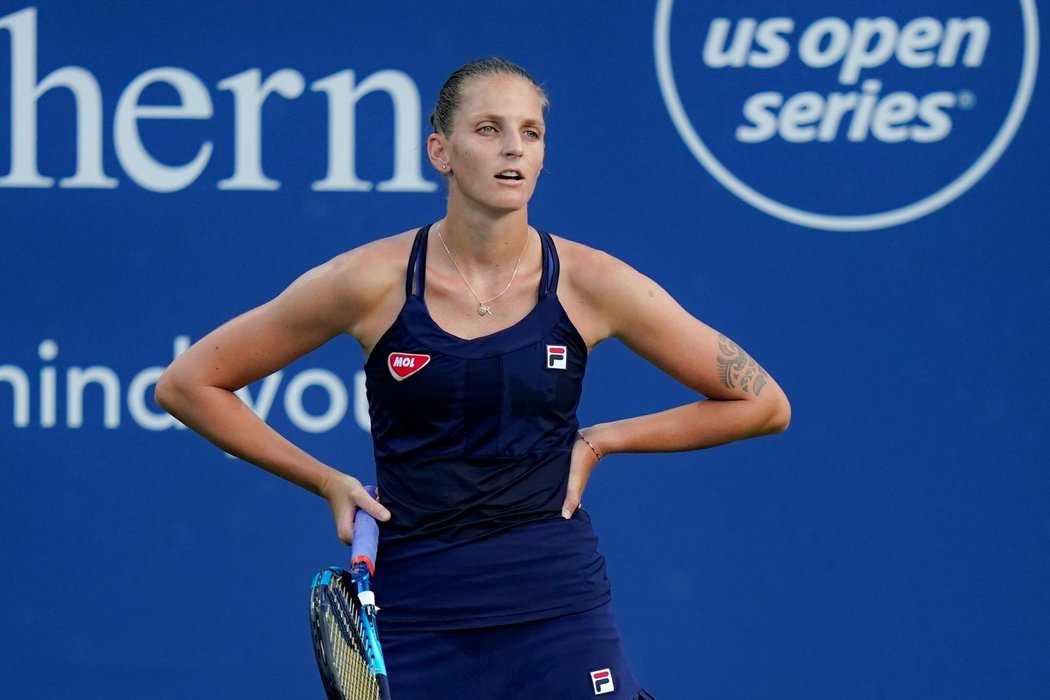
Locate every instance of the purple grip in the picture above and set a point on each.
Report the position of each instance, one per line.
(366, 536)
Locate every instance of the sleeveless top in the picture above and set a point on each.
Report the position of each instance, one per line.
(472, 442)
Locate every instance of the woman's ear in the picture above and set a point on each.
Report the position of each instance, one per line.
(437, 151)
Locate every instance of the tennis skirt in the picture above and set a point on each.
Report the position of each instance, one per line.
(571, 657)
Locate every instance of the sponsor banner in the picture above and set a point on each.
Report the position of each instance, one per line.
(846, 116)
(166, 166)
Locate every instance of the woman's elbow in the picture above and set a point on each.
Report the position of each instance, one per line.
(779, 417)
(166, 392)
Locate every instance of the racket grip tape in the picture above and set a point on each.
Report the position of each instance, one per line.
(366, 537)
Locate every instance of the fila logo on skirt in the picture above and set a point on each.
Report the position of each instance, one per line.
(602, 681)
(403, 365)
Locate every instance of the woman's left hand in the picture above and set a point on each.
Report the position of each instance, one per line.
(584, 460)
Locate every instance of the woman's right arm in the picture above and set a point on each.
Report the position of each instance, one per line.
(198, 387)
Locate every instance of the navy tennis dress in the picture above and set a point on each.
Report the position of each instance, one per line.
(487, 591)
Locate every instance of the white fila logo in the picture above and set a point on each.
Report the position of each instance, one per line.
(602, 681)
(557, 355)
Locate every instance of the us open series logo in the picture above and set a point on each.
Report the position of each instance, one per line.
(847, 117)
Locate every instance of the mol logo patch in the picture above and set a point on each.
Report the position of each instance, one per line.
(847, 116)
(403, 365)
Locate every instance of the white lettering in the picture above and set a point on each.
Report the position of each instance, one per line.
(917, 40)
(337, 400)
(975, 32)
(770, 36)
(195, 103)
(799, 115)
(25, 92)
(858, 128)
(148, 416)
(361, 415)
(48, 351)
(838, 106)
(249, 96)
(811, 47)
(760, 111)
(343, 96)
(77, 378)
(19, 382)
(139, 389)
(715, 53)
(892, 114)
(829, 41)
(137, 407)
(809, 116)
(872, 45)
(932, 111)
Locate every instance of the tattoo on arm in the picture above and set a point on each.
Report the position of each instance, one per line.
(736, 368)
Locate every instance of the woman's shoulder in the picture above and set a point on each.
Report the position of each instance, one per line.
(363, 274)
(587, 267)
(371, 264)
(594, 287)
(363, 286)
(388, 250)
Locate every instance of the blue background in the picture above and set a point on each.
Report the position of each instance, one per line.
(894, 543)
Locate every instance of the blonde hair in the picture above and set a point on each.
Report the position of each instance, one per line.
(451, 94)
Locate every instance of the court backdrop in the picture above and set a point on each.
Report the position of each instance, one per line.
(854, 192)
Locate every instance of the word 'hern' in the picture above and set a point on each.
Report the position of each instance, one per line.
(250, 91)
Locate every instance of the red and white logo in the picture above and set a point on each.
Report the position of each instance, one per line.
(602, 681)
(403, 365)
(557, 355)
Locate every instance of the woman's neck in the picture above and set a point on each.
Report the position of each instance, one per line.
(478, 239)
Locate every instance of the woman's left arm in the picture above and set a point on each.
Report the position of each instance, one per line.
(738, 397)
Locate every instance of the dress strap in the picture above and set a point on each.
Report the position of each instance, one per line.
(417, 265)
(551, 265)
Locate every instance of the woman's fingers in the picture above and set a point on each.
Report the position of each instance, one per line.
(580, 468)
(373, 507)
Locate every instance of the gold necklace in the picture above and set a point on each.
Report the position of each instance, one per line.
(483, 306)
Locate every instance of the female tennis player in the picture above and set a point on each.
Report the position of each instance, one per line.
(476, 331)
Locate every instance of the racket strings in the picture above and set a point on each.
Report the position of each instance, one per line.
(352, 655)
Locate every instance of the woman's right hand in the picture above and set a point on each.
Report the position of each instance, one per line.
(345, 495)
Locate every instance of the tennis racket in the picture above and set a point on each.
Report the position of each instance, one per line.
(343, 621)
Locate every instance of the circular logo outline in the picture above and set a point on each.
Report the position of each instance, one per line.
(862, 222)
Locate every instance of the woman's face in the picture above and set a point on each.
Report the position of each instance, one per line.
(495, 151)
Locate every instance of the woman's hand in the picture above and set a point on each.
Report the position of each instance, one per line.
(585, 457)
(345, 495)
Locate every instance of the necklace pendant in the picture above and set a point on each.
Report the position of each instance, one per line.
(484, 310)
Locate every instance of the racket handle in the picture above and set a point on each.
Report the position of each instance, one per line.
(366, 537)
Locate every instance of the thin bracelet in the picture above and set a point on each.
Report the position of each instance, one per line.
(595, 450)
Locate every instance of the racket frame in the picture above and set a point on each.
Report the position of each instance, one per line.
(358, 584)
